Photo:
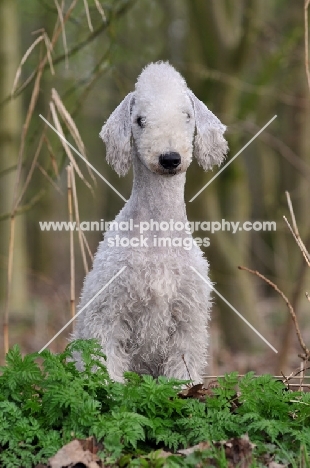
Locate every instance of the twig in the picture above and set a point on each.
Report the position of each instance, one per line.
(296, 294)
(51, 181)
(298, 385)
(63, 31)
(88, 16)
(254, 376)
(52, 156)
(295, 231)
(32, 167)
(100, 10)
(230, 80)
(22, 209)
(23, 60)
(8, 170)
(77, 218)
(189, 374)
(72, 266)
(295, 373)
(290, 207)
(298, 242)
(49, 50)
(101, 66)
(95, 74)
(70, 126)
(122, 10)
(290, 308)
(87, 247)
(65, 146)
(302, 373)
(300, 277)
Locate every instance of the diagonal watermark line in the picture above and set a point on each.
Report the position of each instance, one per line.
(82, 157)
(232, 159)
(83, 308)
(233, 308)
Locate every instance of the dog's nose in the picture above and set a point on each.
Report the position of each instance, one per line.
(170, 160)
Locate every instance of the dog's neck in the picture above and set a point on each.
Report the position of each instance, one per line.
(156, 196)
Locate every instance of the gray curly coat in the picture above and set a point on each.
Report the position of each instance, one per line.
(157, 310)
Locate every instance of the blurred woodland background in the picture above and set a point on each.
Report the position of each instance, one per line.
(246, 60)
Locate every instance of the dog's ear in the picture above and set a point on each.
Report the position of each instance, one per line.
(116, 133)
(210, 147)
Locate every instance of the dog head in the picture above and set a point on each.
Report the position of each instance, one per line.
(165, 124)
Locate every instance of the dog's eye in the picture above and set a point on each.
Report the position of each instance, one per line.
(187, 115)
(141, 121)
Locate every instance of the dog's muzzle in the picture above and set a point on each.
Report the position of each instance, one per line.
(170, 160)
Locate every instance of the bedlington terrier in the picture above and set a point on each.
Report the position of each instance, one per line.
(152, 319)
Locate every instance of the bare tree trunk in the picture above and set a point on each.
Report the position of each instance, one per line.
(10, 129)
(221, 34)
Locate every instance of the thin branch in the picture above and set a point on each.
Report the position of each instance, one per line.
(299, 242)
(32, 167)
(119, 13)
(302, 374)
(52, 156)
(87, 247)
(51, 181)
(290, 308)
(8, 170)
(97, 31)
(24, 208)
(77, 218)
(187, 369)
(290, 207)
(101, 11)
(296, 294)
(295, 231)
(49, 50)
(259, 90)
(63, 32)
(23, 60)
(95, 74)
(294, 374)
(255, 376)
(88, 16)
(66, 147)
(71, 127)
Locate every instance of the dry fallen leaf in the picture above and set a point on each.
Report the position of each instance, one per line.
(198, 391)
(238, 451)
(201, 446)
(72, 454)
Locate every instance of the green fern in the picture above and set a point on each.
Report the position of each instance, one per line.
(45, 402)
